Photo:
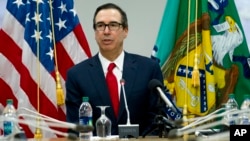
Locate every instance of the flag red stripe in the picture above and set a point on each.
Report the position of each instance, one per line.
(27, 83)
(82, 39)
(31, 87)
(8, 94)
(63, 66)
(20, 81)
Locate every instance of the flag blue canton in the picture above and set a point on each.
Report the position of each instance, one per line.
(37, 25)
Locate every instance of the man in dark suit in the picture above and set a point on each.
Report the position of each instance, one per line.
(88, 77)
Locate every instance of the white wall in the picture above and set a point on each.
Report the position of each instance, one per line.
(144, 18)
(2, 8)
(244, 10)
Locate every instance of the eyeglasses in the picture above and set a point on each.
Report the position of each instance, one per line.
(113, 26)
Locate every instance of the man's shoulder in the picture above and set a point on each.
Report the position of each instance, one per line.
(135, 56)
(142, 58)
(83, 64)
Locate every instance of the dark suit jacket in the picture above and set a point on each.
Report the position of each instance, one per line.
(87, 79)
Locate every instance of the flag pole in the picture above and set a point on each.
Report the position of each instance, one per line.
(38, 132)
(59, 90)
(196, 73)
(185, 111)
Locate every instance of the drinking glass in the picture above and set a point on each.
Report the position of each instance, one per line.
(103, 124)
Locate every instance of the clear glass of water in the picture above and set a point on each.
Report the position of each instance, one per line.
(103, 124)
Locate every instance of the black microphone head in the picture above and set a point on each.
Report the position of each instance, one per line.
(179, 121)
(173, 133)
(165, 121)
(154, 83)
(20, 136)
(122, 82)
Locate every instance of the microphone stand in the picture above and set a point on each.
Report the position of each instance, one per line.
(160, 123)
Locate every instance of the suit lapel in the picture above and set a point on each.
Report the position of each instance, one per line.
(98, 77)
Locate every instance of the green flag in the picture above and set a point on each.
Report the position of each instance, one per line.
(230, 49)
(166, 35)
(180, 50)
(206, 57)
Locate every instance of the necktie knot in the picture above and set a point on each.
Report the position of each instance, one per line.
(111, 66)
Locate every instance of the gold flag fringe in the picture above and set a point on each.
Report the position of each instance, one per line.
(196, 73)
(59, 90)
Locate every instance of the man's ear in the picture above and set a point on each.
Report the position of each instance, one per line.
(126, 33)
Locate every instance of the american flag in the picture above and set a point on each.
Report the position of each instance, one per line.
(29, 59)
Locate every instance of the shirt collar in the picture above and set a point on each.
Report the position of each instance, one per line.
(118, 61)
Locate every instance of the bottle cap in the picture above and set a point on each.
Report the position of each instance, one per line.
(246, 96)
(85, 99)
(9, 101)
(231, 95)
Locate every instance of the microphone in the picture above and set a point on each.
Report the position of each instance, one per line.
(198, 120)
(18, 133)
(189, 128)
(217, 136)
(165, 121)
(155, 84)
(46, 121)
(57, 123)
(174, 133)
(127, 130)
(122, 81)
(213, 115)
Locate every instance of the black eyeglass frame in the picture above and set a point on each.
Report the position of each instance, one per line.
(112, 26)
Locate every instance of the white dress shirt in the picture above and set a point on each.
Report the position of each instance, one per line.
(117, 70)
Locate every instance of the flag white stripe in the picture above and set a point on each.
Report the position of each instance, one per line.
(73, 48)
(20, 83)
(30, 61)
(23, 100)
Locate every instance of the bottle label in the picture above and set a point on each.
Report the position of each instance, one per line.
(234, 119)
(85, 120)
(245, 121)
(7, 127)
(232, 122)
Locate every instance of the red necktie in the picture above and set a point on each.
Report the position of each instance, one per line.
(113, 88)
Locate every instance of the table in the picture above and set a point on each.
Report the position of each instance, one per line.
(115, 139)
(148, 138)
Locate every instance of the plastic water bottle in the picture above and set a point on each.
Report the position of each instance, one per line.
(231, 104)
(244, 118)
(85, 118)
(8, 113)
